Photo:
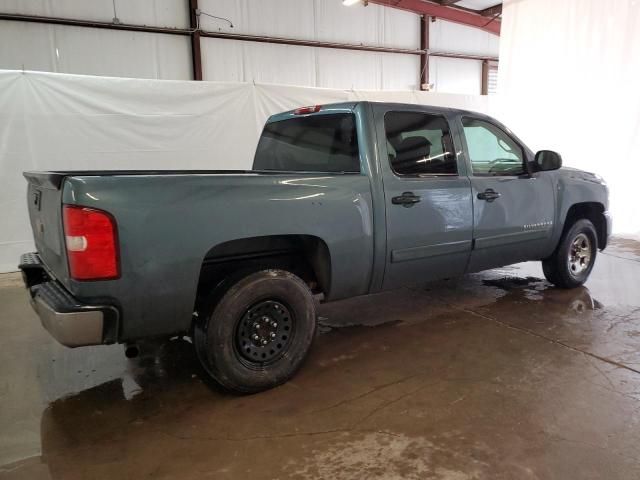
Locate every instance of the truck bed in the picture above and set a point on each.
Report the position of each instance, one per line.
(53, 179)
(169, 221)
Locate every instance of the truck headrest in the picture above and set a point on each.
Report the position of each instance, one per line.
(412, 149)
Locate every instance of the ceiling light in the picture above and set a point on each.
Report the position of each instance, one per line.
(348, 3)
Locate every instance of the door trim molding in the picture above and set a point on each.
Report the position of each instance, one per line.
(426, 251)
(508, 238)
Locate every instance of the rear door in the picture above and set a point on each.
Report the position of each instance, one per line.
(513, 210)
(427, 194)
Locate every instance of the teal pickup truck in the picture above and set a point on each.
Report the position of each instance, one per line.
(343, 200)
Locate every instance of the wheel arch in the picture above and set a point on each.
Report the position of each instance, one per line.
(307, 256)
(592, 211)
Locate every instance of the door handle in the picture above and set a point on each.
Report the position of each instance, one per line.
(489, 195)
(407, 199)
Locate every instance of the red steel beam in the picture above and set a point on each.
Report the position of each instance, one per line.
(450, 13)
(196, 53)
(424, 57)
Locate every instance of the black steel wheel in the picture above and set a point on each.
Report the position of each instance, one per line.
(255, 331)
(264, 332)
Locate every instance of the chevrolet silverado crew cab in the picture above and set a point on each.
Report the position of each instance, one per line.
(343, 200)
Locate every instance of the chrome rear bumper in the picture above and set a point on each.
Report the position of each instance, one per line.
(71, 322)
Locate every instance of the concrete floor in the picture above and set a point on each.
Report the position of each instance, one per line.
(495, 375)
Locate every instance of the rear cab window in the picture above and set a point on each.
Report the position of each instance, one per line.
(312, 143)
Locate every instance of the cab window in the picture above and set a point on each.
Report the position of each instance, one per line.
(419, 144)
(314, 143)
(491, 150)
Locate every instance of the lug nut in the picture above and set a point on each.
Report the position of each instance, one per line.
(274, 324)
(264, 342)
(273, 334)
(256, 326)
(255, 337)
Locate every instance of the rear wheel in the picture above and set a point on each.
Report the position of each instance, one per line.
(254, 333)
(571, 263)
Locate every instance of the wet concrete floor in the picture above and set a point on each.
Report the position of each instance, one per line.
(491, 376)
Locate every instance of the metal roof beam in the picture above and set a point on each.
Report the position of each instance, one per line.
(492, 11)
(468, 17)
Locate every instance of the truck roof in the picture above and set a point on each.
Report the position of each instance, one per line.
(346, 107)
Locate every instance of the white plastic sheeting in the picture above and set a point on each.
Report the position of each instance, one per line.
(573, 86)
(56, 122)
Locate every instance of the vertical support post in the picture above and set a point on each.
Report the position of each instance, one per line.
(196, 54)
(485, 77)
(424, 57)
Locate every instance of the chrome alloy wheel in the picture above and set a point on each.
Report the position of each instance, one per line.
(579, 255)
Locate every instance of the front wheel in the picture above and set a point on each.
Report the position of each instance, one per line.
(571, 263)
(255, 333)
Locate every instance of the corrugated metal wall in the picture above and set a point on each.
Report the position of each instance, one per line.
(67, 49)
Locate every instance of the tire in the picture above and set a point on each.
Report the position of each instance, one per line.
(570, 266)
(272, 306)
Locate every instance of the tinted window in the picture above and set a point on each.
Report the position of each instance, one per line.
(316, 143)
(491, 150)
(419, 144)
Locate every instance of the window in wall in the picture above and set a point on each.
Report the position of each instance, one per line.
(315, 143)
(489, 77)
(491, 150)
(419, 144)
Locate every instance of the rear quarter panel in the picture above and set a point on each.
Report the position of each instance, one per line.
(167, 224)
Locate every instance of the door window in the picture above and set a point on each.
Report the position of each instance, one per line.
(491, 150)
(419, 144)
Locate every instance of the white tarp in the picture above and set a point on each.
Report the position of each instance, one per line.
(569, 80)
(54, 121)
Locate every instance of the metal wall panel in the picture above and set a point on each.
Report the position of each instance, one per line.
(165, 13)
(323, 20)
(454, 75)
(91, 51)
(454, 38)
(231, 60)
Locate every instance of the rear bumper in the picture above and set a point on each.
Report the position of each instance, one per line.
(71, 322)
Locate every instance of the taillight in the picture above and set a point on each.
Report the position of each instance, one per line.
(92, 244)
(307, 110)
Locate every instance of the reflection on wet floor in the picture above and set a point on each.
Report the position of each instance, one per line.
(493, 375)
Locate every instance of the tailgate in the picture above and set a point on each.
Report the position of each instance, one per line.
(44, 199)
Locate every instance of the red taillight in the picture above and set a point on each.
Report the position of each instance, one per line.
(91, 240)
(306, 110)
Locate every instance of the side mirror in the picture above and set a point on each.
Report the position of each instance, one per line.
(547, 160)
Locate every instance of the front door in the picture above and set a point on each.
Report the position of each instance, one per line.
(513, 211)
(428, 200)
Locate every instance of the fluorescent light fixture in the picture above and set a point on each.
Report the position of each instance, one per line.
(348, 3)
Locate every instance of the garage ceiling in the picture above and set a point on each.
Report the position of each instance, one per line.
(482, 14)
(476, 4)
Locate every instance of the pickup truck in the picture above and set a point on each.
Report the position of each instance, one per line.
(343, 200)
